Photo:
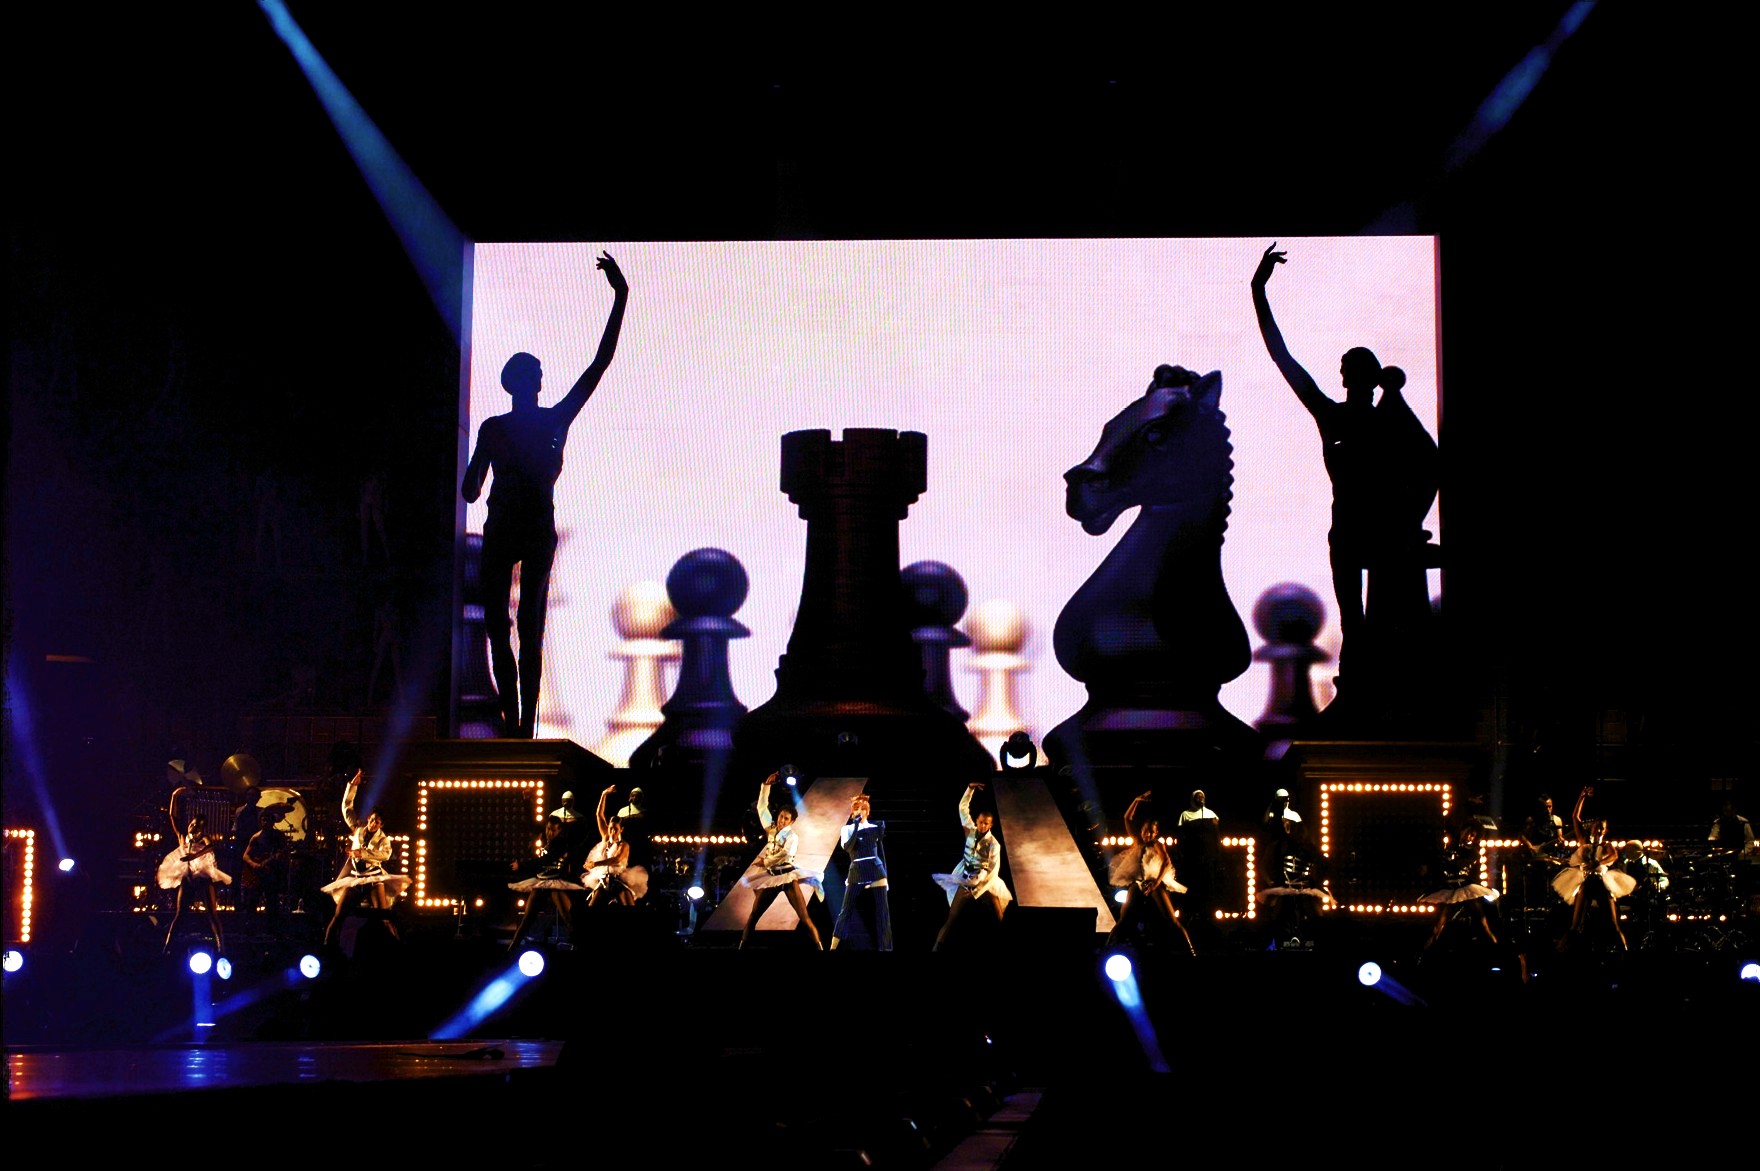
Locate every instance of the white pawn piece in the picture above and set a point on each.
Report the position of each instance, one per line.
(642, 611)
(998, 630)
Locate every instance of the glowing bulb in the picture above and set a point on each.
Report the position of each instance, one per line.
(1369, 974)
(1750, 970)
(200, 962)
(531, 964)
(14, 960)
(1118, 967)
(309, 966)
(66, 865)
(223, 968)
(1120, 897)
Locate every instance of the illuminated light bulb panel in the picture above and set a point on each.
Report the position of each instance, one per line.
(21, 883)
(467, 831)
(1239, 871)
(1380, 836)
(147, 896)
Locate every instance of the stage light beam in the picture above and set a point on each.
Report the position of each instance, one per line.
(433, 244)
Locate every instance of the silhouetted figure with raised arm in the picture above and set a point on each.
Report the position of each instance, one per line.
(1383, 467)
(523, 449)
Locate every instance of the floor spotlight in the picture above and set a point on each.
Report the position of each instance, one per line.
(791, 776)
(1120, 896)
(695, 891)
(200, 962)
(309, 967)
(1750, 970)
(223, 968)
(531, 964)
(13, 961)
(1118, 967)
(65, 865)
(1369, 974)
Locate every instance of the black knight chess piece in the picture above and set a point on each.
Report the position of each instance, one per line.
(1153, 633)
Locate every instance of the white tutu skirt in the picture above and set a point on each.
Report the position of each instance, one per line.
(396, 883)
(173, 870)
(758, 878)
(635, 878)
(1569, 882)
(1294, 892)
(954, 883)
(1127, 870)
(527, 885)
(1459, 894)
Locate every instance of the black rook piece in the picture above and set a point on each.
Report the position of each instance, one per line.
(850, 699)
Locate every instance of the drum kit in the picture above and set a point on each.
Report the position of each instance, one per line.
(302, 851)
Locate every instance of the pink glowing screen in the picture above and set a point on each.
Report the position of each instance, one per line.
(1008, 354)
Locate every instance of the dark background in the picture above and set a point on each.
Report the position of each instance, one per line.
(204, 298)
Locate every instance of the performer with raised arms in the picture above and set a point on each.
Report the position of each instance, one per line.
(775, 872)
(977, 880)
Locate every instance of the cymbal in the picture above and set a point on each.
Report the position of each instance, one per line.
(240, 771)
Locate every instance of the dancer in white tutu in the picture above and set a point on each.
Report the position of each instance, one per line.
(547, 880)
(775, 873)
(190, 862)
(363, 872)
(1589, 879)
(609, 876)
(977, 880)
(1145, 871)
(1461, 889)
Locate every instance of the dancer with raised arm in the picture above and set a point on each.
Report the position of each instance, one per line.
(977, 880)
(609, 876)
(191, 863)
(522, 450)
(1145, 871)
(1590, 879)
(775, 871)
(1384, 469)
(363, 877)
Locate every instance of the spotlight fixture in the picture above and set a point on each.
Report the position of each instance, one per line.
(1017, 752)
(695, 891)
(1369, 974)
(531, 964)
(1118, 967)
(65, 866)
(1750, 970)
(200, 962)
(791, 776)
(1119, 896)
(309, 967)
(223, 968)
(13, 960)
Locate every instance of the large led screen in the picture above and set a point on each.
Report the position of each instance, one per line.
(1009, 354)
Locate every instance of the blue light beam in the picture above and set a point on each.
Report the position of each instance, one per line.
(434, 245)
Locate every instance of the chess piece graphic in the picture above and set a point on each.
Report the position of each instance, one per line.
(849, 690)
(999, 631)
(696, 732)
(640, 616)
(1288, 616)
(1153, 633)
(938, 600)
